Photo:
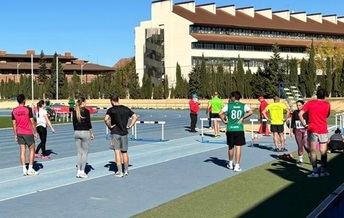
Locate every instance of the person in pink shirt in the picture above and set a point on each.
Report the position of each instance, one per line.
(194, 109)
(24, 130)
(318, 111)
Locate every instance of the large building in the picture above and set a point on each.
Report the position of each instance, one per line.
(14, 65)
(184, 32)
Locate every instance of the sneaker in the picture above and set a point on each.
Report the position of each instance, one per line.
(126, 173)
(32, 172)
(323, 172)
(230, 166)
(25, 173)
(118, 174)
(237, 168)
(45, 157)
(299, 163)
(83, 175)
(314, 174)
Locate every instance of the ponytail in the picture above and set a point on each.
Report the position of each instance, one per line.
(78, 107)
(39, 106)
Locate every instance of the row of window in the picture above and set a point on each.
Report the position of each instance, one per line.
(222, 46)
(262, 33)
(227, 61)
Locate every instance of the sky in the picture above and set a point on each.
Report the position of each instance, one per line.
(102, 31)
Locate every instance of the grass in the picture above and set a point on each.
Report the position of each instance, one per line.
(276, 189)
(6, 122)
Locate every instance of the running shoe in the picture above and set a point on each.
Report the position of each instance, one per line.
(314, 174)
(126, 173)
(32, 172)
(237, 168)
(25, 173)
(299, 163)
(230, 166)
(83, 175)
(323, 172)
(119, 174)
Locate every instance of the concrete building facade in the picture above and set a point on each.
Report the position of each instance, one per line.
(184, 32)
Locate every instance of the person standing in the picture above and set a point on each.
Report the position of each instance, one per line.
(71, 104)
(83, 135)
(194, 109)
(41, 127)
(263, 128)
(208, 113)
(116, 119)
(318, 111)
(233, 114)
(24, 133)
(278, 113)
(299, 131)
(216, 104)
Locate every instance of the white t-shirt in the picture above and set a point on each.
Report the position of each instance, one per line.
(41, 117)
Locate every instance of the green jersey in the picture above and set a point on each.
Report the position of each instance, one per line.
(235, 111)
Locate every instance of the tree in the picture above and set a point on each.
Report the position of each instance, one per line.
(146, 89)
(248, 86)
(133, 85)
(158, 91)
(220, 81)
(277, 67)
(239, 76)
(181, 84)
(293, 76)
(166, 87)
(303, 77)
(194, 80)
(329, 78)
(311, 72)
(61, 76)
(204, 80)
(341, 79)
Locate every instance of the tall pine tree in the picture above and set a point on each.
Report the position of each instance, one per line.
(329, 79)
(311, 72)
(293, 75)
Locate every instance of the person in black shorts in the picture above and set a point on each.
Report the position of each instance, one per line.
(116, 119)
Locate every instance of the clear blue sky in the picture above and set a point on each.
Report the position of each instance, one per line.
(102, 31)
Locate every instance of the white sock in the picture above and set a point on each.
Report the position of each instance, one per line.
(30, 167)
(237, 165)
(24, 169)
(230, 163)
(301, 158)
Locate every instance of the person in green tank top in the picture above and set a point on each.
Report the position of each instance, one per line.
(215, 105)
(233, 115)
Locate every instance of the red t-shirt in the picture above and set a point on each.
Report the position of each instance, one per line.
(22, 116)
(194, 106)
(318, 112)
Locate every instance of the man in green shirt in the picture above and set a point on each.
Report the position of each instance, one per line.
(233, 115)
(71, 104)
(215, 105)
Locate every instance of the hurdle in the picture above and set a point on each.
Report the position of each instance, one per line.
(162, 123)
(339, 119)
(202, 126)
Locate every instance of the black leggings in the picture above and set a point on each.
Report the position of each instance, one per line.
(42, 132)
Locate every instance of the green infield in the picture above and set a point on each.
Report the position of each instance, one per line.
(6, 122)
(276, 189)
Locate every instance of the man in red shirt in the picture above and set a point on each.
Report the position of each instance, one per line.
(318, 111)
(194, 109)
(24, 130)
(263, 128)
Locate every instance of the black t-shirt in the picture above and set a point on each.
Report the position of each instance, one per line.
(119, 115)
(295, 120)
(85, 122)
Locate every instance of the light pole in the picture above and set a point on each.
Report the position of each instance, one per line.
(57, 77)
(82, 70)
(32, 91)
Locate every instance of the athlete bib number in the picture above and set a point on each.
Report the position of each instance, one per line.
(236, 115)
(298, 124)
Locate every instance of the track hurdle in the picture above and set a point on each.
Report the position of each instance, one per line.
(162, 123)
(202, 127)
(339, 121)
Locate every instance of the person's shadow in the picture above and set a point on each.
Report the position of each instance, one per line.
(217, 161)
(49, 152)
(112, 166)
(88, 168)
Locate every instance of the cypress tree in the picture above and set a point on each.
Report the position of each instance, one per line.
(329, 79)
(204, 81)
(220, 81)
(166, 87)
(239, 76)
(158, 92)
(293, 75)
(248, 85)
(303, 77)
(133, 85)
(181, 84)
(194, 81)
(311, 72)
(146, 89)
